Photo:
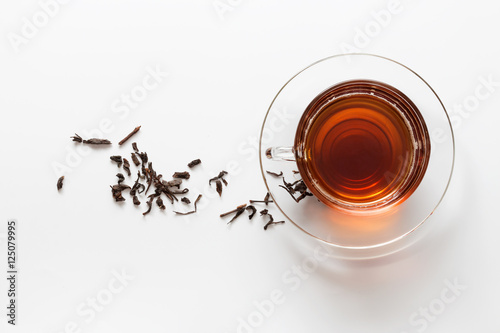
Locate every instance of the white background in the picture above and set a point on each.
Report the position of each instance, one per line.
(197, 274)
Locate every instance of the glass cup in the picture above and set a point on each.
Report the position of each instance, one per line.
(378, 222)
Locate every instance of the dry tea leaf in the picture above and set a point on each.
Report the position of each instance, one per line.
(266, 200)
(218, 181)
(275, 174)
(195, 208)
(238, 210)
(135, 159)
(252, 208)
(126, 166)
(129, 135)
(60, 183)
(95, 141)
(121, 178)
(218, 186)
(92, 141)
(181, 175)
(194, 163)
(150, 204)
(77, 138)
(117, 159)
(160, 204)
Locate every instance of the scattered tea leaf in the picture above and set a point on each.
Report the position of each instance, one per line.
(121, 178)
(303, 195)
(194, 163)
(116, 191)
(77, 138)
(120, 187)
(297, 186)
(266, 200)
(218, 186)
(118, 196)
(95, 141)
(150, 175)
(239, 211)
(289, 191)
(195, 208)
(233, 211)
(126, 166)
(300, 187)
(148, 178)
(219, 176)
(135, 159)
(251, 208)
(129, 135)
(150, 204)
(117, 159)
(181, 175)
(218, 179)
(60, 183)
(275, 174)
(136, 188)
(144, 157)
(271, 222)
(160, 204)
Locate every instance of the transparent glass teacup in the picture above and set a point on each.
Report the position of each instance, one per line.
(360, 231)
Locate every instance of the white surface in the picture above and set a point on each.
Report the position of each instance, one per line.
(198, 275)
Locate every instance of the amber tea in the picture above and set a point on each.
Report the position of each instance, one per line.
(362, 144)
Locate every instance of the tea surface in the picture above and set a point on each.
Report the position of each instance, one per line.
(362, 143)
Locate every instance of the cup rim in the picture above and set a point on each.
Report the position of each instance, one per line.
(400, 237)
